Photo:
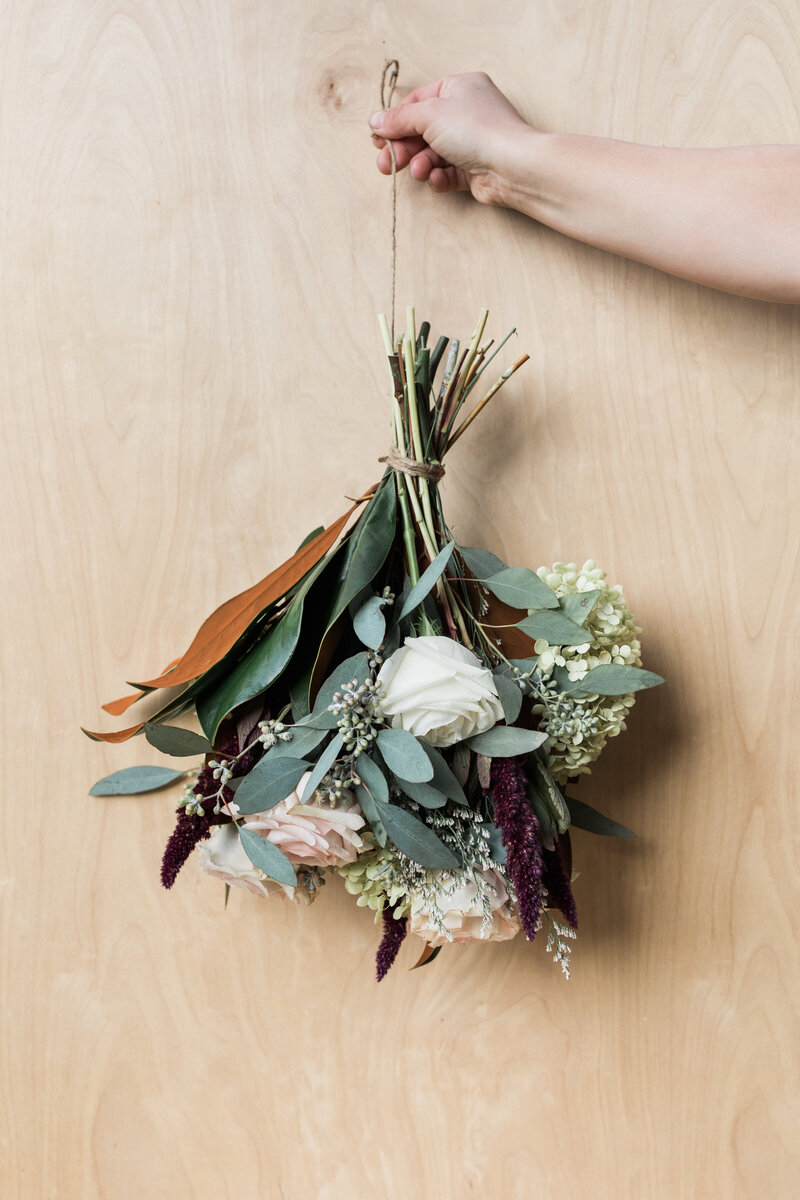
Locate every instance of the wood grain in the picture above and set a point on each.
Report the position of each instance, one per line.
(194, 244)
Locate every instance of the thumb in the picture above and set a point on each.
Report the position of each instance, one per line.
(404, 121)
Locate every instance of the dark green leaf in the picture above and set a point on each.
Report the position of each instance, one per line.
(415, 839)
(611, 680)
(404, 755)
(578, 605)
(551, 794)
(366, 548)
(583, 816)
(510, 697)
(504, 742)
(443, 778)
(321, 767)
(427, 580)
(227, 895)
(496, 847)
(267, 857)
(373, 778)
(179, 743)
(428, 959)
(521, 588)
(369, 622)
(314, 533)
(270, 781)
(554, 627)
(482, 563)
(132, 781)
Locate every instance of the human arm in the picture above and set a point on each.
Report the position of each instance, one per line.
(727, 218)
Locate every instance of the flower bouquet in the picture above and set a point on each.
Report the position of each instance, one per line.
(396, 709)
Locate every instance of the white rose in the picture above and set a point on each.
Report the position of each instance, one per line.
(223, 855)
(438, 690)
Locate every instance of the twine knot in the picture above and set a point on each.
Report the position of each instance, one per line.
(412, 466)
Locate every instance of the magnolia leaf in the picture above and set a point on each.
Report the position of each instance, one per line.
(483, 766)
(482, 563)
(404, 755)
(583, 816)
(554, 627)
(427, 580)
(510, 697)
(373, 778)
(611, 680)
(180, 743)
(501, 741)
(270, 781)
(415, 840)
(132, 781)
(310, 537)
(322, 766)
(550, 792)
(521, 588)
(444, 780)
(427, 956)
(369, 622)
(267, 857)
(578, 605)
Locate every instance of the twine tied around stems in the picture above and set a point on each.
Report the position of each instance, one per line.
(412, 466)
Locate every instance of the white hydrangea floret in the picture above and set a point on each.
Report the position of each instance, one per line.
(580, 728)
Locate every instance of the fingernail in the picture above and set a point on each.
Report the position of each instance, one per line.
(376, 120)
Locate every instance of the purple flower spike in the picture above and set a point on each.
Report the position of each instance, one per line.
(394, 932)
(559, 891)
(187, 833)
(520, 832)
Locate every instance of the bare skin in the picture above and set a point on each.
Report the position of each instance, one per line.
(726, 218)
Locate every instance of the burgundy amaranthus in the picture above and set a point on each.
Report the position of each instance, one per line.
(520, 832)
(394, 932)
(559, 891)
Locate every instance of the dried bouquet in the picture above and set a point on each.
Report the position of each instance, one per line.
(398, 710)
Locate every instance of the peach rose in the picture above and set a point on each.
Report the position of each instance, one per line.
(223, 856)
(460, 904)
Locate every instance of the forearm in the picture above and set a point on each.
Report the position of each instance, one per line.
(727, 218)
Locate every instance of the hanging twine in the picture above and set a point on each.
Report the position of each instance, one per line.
(388, 84)
(411, 466)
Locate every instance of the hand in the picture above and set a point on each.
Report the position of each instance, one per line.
(457, 134)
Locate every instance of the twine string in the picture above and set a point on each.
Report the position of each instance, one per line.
(412, 466)
(391, 70)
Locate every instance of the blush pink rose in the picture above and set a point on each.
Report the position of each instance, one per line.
(461, 911)
(311, 835)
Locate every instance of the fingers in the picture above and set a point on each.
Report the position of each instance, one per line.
(408, 119)
(403, 151)
(448, 179)
(424, 162)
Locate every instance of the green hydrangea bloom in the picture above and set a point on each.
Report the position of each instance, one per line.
(375, 880)
(580, 728)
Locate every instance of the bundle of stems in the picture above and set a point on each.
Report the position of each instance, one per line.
(425, 425)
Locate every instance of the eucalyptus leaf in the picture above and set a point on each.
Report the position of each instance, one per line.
(510, 697)
(373, 778)
(427, 580)
(424, 793)
(501, 741)
(404, 756)
(369, 622)
(267, 857)
(496, 847)
(583, 816)
(356, 667)
(578, 605)
(482, 563)
(322, 766)
(133, 781)
(371, 812)
(548, 827)
(415, 840)
(304, 740)
(179, 743)
(551, 794)
(270, 781)
(611, 680)
(444, 779)
(521, 588)
(554, 627)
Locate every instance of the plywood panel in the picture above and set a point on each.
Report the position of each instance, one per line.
(194, 246)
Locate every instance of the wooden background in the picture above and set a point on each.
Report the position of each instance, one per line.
(194, 246)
